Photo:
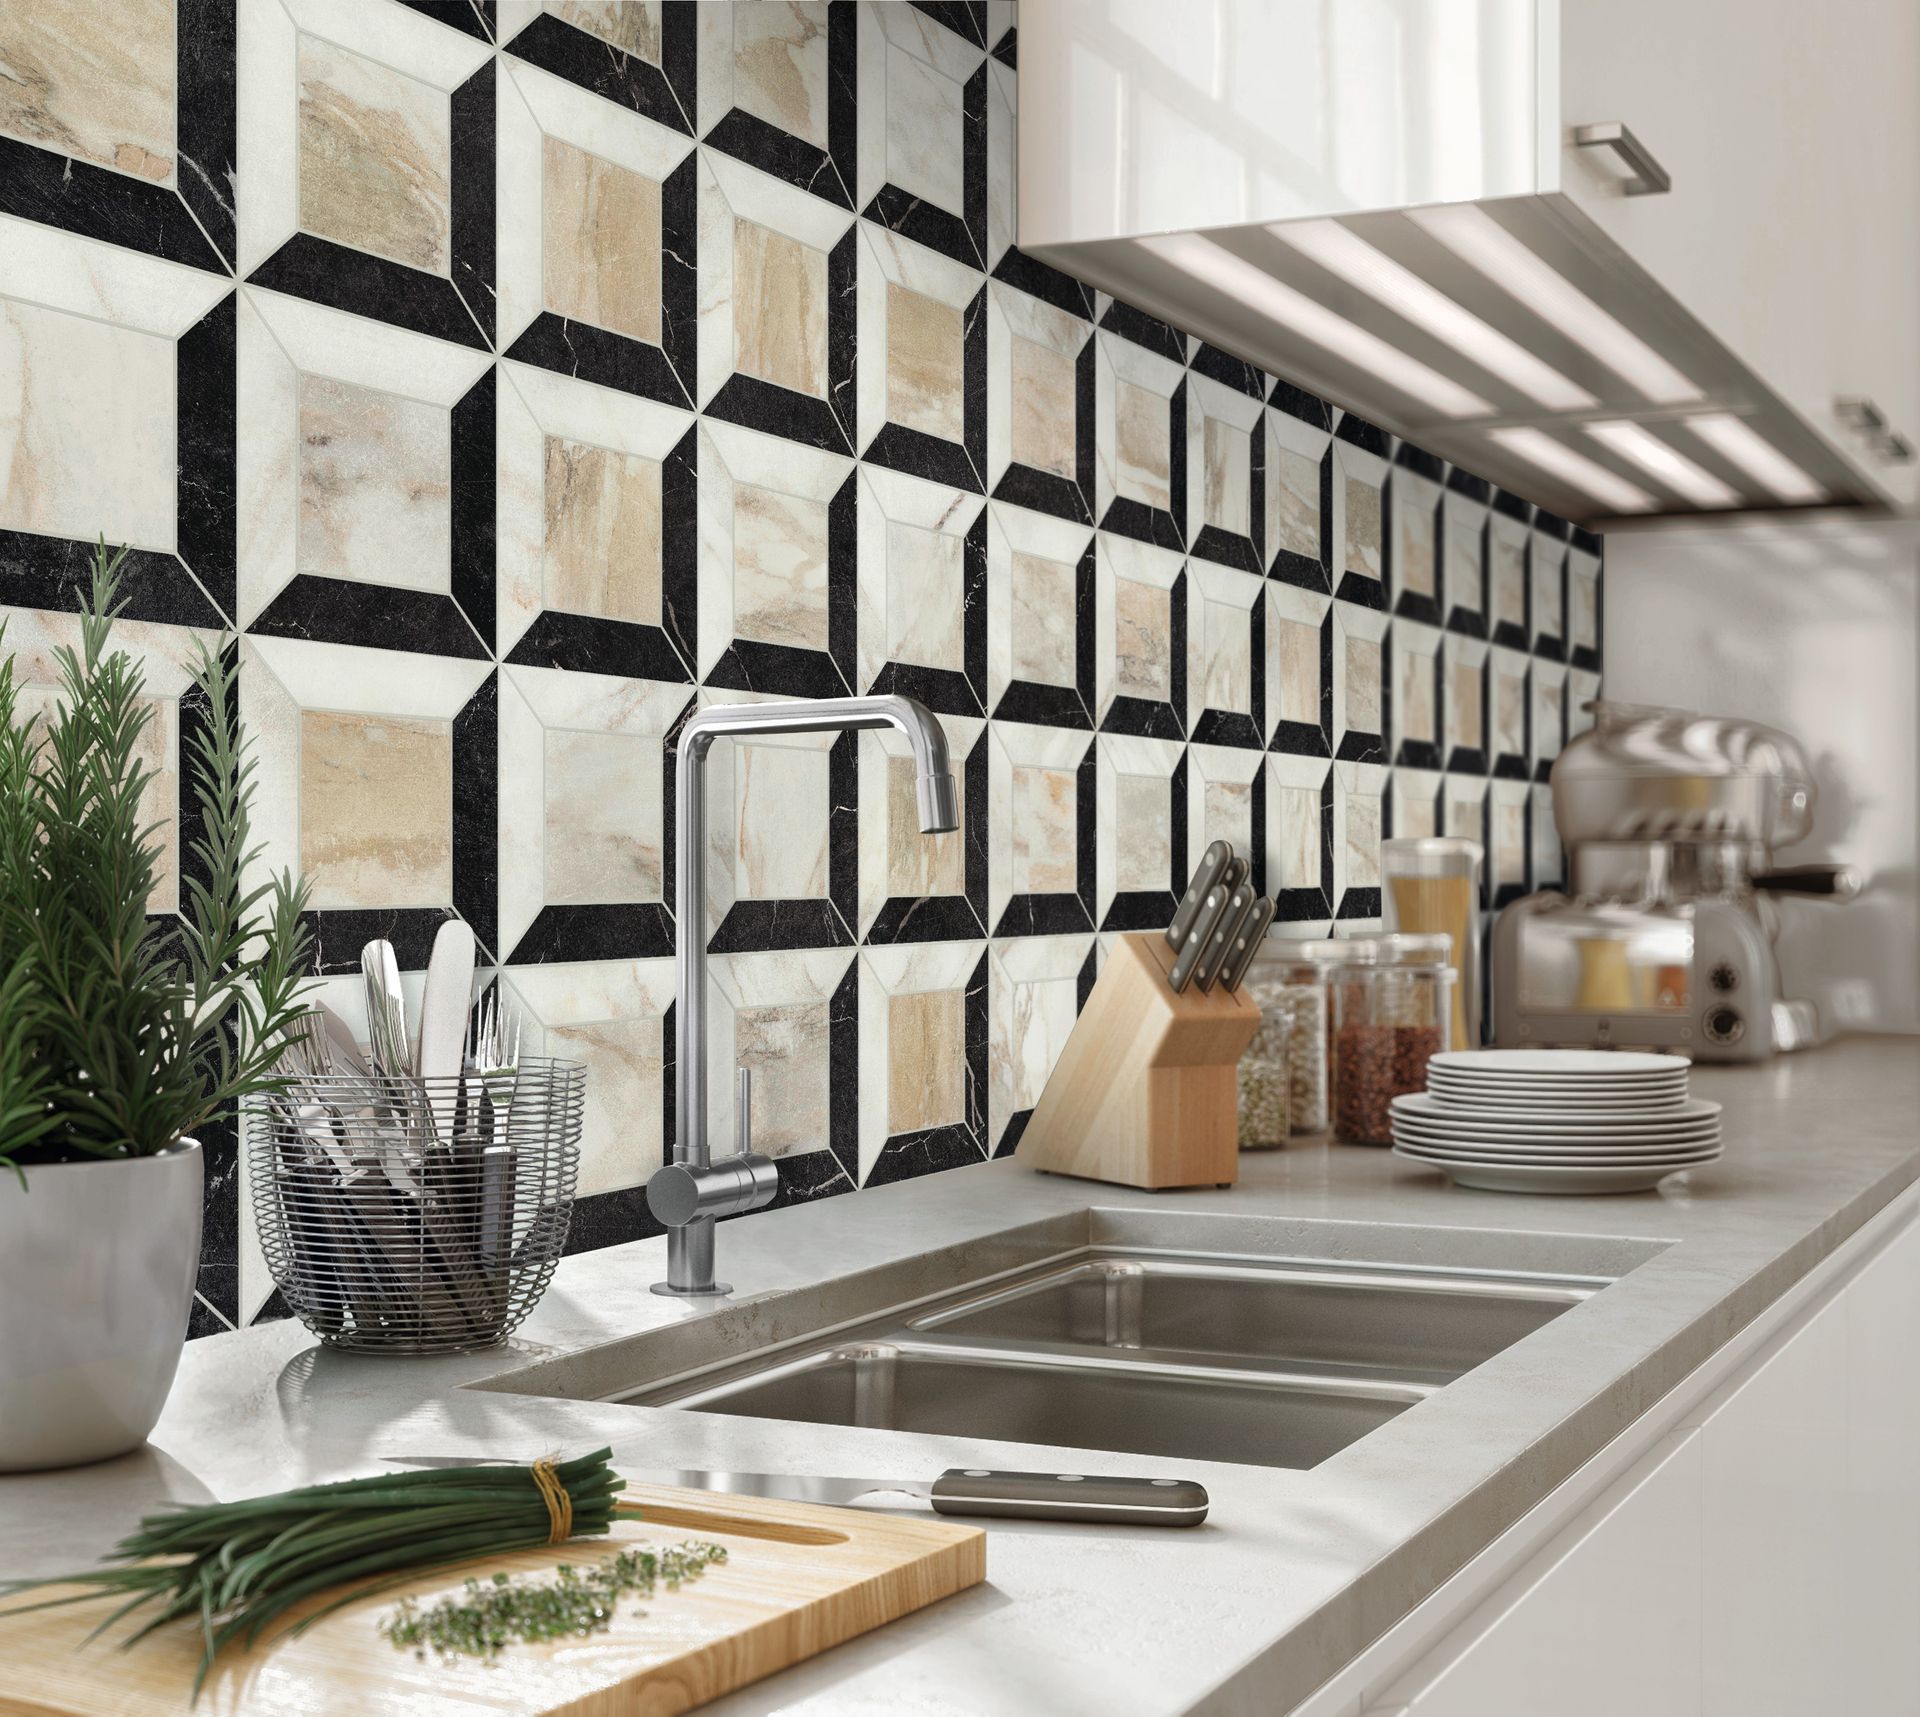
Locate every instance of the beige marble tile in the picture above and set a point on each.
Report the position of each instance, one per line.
(1466, 718)
(1226, 811)
(1044, 619)
(780, 65)
(779, 568)
(1363, 685)
(1141, 434)
(1509, 714)
(1297, 487)
(376, 809)
(1363, 841)
(600, 241)
(1415, 566)
(632, 26)
(90, 81)
(926, 380)
(1363, 527)
(624, 1059)
(926, 1060)
(1414, 711)
(782, 798)
(926, 601)
(921, 865)
(785, 1045)
(1465, 818)
(1229, 481)
(1044, 830)
(376, 485)
(1143, 639)
(1510, 842)
(603, 804)
(1143, 813)
(1413, 817)
(157, 750)
(1298, 653)
(602, 544)
(779, 309)
(1506, 558)
(1041, 382)
(376, 157)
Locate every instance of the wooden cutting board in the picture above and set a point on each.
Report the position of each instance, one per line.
(797, 1579)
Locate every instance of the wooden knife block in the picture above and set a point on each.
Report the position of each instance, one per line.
(1146, 1091)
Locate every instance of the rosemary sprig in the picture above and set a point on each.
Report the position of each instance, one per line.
(233, 1568)
(490, 1614)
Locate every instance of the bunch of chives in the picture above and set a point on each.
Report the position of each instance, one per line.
(233, 1567)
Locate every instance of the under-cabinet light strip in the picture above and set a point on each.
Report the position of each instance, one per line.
(1737, 441)
(1635, 442)
(1369, 268)
(1587, 475)
(1477, 238)
(1196, 255)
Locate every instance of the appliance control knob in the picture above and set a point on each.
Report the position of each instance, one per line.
(1724, 978)
(1725, 1025)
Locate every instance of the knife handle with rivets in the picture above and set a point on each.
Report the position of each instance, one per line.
(1246, 942)
(1205, 874)
(1069, 1496)
(1214, 955)
(1235, 874)
(1190, 951)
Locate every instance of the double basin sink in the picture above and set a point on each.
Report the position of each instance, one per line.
(1128, 1348)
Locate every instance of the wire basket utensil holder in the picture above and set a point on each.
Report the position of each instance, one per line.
(407, 1215)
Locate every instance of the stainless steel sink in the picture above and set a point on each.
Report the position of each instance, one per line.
(1127, 1406)
(1431, 1327)
(1203, 1357)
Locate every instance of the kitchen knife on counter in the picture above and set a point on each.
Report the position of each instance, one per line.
(1212, 865)
(959, 1490)
(1246, 942)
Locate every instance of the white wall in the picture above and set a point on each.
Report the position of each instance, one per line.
(1815, 628)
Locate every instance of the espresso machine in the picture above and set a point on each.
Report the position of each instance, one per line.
(1665, 938)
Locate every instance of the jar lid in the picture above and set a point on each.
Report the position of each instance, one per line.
(1429, 855)
(1391, 948)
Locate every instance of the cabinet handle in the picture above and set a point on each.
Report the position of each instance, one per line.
(1649, 179)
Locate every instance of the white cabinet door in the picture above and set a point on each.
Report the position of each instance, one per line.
(1775, 1593)
(1882, 1512)
(1604, 1622)
(1790, 228)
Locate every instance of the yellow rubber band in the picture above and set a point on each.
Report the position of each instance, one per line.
(559, 1504)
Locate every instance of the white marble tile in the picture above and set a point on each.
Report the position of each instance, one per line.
(61, 271)
(86, 428)
(1416, 677)
(1358, 645)
(375, 474)
(1292, 492)
(770, 60)
(1221, 424)
(1133, 835)
(96, 85)
(1033, 811)
(1362, 515)
(1296, 788)
(912, 75)
(913, 1040)
(926, 610)
(1463, 698)
(1220, 604)
(1033, 350)
(1507, 570)
(1220, 798)
(1509, 696)
(911, 586)
(1032, 1004)
(1294, 670)
(1132, 454)
(1416, 803)
(1033, 564)
(1133, 629)
(772, 1014)
(1415, 505)
(1583, 586)
(1548, 682)
(1463, 543)
(911, 307)
(898, 861)
(1546, 560)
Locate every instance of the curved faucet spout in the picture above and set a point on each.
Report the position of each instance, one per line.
(690, 1234)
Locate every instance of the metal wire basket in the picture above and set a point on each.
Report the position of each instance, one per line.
(405, 1215)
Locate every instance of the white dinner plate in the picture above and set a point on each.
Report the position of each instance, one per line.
(1530, 1177)
(1572, 1081)
(1597, 1087)
(1551, 1063)
(1571, 1102)
(1699, 1151)
(1421, 1106)
(1552, 1145)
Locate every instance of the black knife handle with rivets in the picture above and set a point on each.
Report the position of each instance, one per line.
(1205, 922)
(1220, 942)
(1069, 1496)
(1205, 874)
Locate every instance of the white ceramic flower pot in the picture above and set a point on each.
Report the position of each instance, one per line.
(97, 1266)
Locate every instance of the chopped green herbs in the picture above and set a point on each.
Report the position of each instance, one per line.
(494, 1613)
(231, 1568)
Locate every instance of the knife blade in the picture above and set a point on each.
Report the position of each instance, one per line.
(1196, 942)
(1246, 942)
(976, 1491)
(1205, 874)
(1220, 940)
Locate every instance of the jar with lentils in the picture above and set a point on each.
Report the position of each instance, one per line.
(1392, 1001)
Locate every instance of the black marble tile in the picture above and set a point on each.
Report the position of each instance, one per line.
(828, 173)
(906, 1156)
(204, 116)
(662, 93)
(472, 235)
(1144, 330)
(53, 573)
(374, 616)
(353, 280)
(95, 202)
(204, 411)
(1043, 281)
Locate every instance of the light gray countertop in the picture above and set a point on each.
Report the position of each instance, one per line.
(1294, 1573)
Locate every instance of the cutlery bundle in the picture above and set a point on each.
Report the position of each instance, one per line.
(414, 1197)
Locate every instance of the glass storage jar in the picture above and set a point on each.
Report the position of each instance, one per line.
(1392, 1009)
(1293, 971)
(1266, 1074)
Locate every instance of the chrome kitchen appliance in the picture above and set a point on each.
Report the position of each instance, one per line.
(1670, 822)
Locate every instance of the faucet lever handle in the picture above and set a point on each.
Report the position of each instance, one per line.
(743, 1112)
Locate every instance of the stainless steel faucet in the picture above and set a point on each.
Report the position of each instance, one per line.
(692, 1191)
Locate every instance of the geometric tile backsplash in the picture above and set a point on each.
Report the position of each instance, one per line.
(512, 379)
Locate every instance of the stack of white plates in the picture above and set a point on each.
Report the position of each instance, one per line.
(1556, 1120)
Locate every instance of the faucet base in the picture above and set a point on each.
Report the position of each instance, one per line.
(668, 1291)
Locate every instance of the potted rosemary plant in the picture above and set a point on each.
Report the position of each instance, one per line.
(120, 1035)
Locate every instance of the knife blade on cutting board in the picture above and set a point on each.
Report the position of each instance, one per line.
(975, 1491)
